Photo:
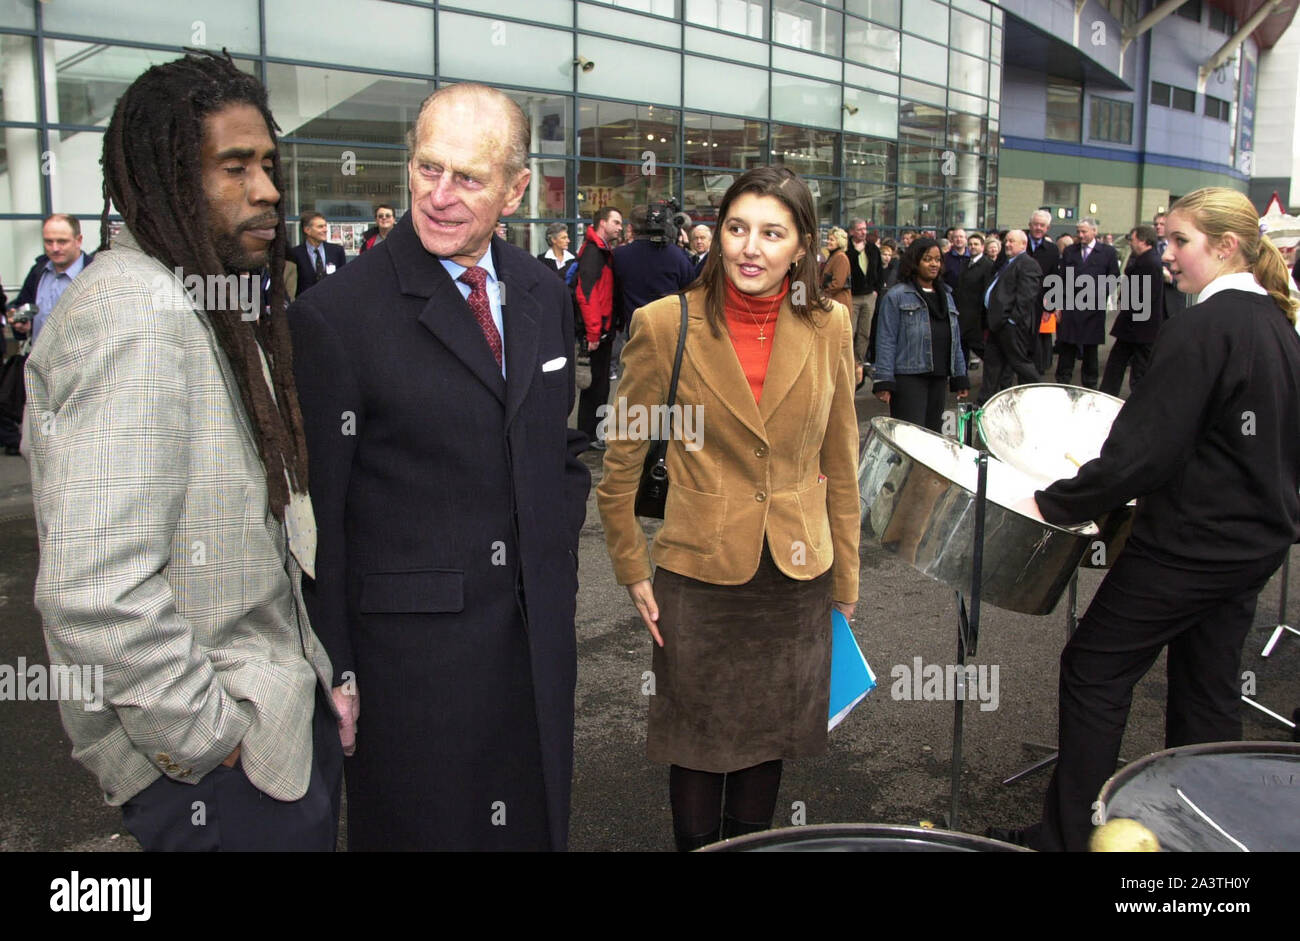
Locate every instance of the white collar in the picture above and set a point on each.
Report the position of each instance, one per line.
(1237, 281)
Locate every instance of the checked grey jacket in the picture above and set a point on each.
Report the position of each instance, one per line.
(159, 557)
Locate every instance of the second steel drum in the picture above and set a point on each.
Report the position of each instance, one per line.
(917, 492)
(1048, 431)
(861, 838)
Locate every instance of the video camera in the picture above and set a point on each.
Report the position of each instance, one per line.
(23, 314)
(664, 219)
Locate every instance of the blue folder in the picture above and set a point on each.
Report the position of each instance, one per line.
(851, 676)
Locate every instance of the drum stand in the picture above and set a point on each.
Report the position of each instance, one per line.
(968, 627)
(1282, 626)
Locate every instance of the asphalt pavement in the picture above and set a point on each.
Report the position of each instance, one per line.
(889, 762)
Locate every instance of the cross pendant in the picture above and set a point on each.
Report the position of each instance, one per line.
(761, 338)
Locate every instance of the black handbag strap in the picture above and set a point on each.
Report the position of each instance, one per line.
(677, 361)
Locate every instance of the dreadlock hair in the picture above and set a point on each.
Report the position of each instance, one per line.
(152, 174)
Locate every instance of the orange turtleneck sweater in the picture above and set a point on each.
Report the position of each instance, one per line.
(747, 316)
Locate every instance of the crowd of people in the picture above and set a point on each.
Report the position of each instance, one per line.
(371, 484)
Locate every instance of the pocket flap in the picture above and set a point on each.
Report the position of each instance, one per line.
(429, 591)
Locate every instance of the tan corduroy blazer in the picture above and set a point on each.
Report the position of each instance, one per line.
(785, 468)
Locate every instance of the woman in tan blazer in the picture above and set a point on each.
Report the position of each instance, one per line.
(760, 532)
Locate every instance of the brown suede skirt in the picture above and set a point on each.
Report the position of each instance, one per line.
(743, 676)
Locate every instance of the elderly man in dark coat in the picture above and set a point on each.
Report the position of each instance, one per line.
(1086, 268)
(1141, 313)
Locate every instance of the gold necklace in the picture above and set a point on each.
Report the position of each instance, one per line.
(762, 328)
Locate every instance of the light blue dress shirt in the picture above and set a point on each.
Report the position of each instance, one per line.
(493, 288)
(51, 288)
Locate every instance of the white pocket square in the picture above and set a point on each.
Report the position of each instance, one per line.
(553, 364)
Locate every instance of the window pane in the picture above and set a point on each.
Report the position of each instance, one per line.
(360, 32)
(312, 181)
(618, 131)
(925, 60)
(610, 22)
(626, 71)
(726, 88)
(1060, 194)
(871, 45)
(926, 18)
(923, 91)
(1184, 99)
(167, 22)
(868, 158)
(968, 171)
(1064, 117)
(18, 13)
(965, 210)
(704, 190)
(714, 141)
(968, 74)
(826, 200)
(969, 34)
(882, 11)
(547, 192)
(967, 132)
(921, 124)
(805, 26)
(17, 79)
(804, 150)
(873, 202)
(76, 180)
(479, 49)
(745, 17)
(726, 46)
(920, 208)
(621, 186)
(870, 78)
(805, 101)
(328, 104)
(806, 64)
(20, 179)
(876, 114)
(666, 8)
(977, 8)
(558, 12)
(921, 165)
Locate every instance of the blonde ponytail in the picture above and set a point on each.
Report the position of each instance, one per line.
(1216, 211)
(1270, 271)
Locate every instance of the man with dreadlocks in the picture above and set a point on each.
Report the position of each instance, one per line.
(169, 472)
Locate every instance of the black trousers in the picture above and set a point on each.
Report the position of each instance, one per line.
(1203, 615)
(1065, 356)
(1043, 351)
(1135, 357)
(920, 400)
(1005, 361)
(597, 394)
(234, 816)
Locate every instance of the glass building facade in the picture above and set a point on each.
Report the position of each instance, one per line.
(888, 108)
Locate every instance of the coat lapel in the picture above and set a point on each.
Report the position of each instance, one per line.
(446, 314)
(714, 358)
(522, 318)
(790, 350)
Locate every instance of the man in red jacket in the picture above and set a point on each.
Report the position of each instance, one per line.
(594, 292)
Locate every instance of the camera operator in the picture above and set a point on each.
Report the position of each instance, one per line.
(654, 264)
(595, 298)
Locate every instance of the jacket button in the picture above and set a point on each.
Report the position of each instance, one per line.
(172, 768)
(760, 451)
(760, 496)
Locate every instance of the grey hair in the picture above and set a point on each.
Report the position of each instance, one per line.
(518, 136)
(1040, 212)
(1088, 221)
(855, 220)
(553, 230)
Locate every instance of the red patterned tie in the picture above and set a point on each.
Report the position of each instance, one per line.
(476, 278)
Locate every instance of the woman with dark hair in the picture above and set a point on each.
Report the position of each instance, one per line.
(557, 255)
(760, 531)
(918, 345)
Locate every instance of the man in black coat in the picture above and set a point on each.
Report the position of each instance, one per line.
(1140, 315)
(1175, 301)
(969, 295)
(315, 257)
(436, 378)
(1011, 299)
(1087, 269)
(1042, 249)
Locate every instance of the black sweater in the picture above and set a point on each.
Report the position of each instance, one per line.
(1209, 443)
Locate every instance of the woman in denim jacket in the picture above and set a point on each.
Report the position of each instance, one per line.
(917, 360)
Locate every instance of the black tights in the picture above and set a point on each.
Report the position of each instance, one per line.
(746, 797)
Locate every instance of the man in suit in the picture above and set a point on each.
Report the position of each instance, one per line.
(1085, 269)
(50, 276)
(436, 378)
(1175, 301)
(1011, 299)
(169, 477)
(701, 239)
(1140, 315)
(315, 257)
(955, 260)
(969, 295)
(1043, 250)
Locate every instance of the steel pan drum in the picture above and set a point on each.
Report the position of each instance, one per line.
(1048, 432)
(1220, 797)
(861, 838)
(917, 495)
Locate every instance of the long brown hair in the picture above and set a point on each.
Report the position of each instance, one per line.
(1216, 211)
(793, 193)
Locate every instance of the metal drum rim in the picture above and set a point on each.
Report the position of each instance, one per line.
(884, 830)
(1086, 530)
(1134, 768)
